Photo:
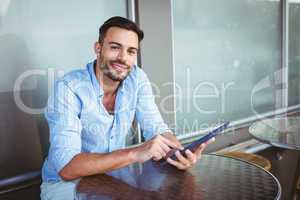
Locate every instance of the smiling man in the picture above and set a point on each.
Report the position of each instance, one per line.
(91, 111)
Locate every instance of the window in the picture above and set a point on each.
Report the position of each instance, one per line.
(39, 41)
(226, 58)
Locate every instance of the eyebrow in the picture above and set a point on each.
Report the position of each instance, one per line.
(116, 43)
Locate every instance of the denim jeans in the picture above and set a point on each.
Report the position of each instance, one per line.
(64, 190)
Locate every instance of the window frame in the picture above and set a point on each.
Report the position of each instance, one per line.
(162, 60)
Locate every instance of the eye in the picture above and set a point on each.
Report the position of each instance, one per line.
(114, 47)
(132, 52)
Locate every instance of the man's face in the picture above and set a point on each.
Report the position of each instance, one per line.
(117, 53)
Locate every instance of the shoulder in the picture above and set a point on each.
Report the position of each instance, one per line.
(75, 79)
(75, 76)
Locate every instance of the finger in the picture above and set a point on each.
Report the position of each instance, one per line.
(157, 156)
(176, 164)
(173, 138)
(210, 140)
(156, 151)
(155, 159)
(170, 153)
(165, 147)
(182, 159)
(160, 147)
(199, 150)
(170, 143)
(190, 156)
(161, 152)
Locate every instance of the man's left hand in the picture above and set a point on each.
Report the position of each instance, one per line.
(182, 162)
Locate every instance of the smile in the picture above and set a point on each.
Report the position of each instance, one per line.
(118, 67)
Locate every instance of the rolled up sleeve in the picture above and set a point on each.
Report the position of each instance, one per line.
(62, 114)
(147, 113)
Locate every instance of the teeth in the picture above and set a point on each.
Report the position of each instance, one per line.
(118, 66)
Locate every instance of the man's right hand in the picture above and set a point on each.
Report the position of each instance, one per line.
(155, 148)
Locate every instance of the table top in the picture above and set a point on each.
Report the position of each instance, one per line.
(282, 132)
(213, 177)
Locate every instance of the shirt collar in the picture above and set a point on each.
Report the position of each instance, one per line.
(125, 82)
(98, 89)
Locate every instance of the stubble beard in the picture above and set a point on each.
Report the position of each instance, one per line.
(111, 74)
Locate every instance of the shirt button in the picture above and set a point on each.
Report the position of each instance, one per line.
(111, 137)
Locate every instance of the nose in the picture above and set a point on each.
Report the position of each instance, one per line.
(122, 55)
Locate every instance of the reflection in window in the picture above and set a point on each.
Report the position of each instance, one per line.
(226, 56)
(39, 41)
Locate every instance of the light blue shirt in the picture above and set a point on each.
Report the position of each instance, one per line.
(79, 122)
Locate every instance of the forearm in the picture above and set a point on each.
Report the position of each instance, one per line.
(85, 164)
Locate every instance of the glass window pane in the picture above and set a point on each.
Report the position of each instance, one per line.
(294, 53)
(39, 41)
(225, 58)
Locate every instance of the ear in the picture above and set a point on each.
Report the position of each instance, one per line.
(97, 48)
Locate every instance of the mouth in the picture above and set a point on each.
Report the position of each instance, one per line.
(119, 67)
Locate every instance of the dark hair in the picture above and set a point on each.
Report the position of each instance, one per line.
(120, 22)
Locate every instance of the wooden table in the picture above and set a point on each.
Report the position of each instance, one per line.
(214, 177)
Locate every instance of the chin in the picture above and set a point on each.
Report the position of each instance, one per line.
(116, 77)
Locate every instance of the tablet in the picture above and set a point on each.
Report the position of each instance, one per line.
(194, 145)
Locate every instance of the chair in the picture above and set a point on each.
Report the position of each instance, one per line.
(20, 150)
(249, 157)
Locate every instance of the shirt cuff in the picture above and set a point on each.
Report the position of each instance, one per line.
(62, 157)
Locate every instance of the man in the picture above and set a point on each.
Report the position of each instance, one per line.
(91, 111)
